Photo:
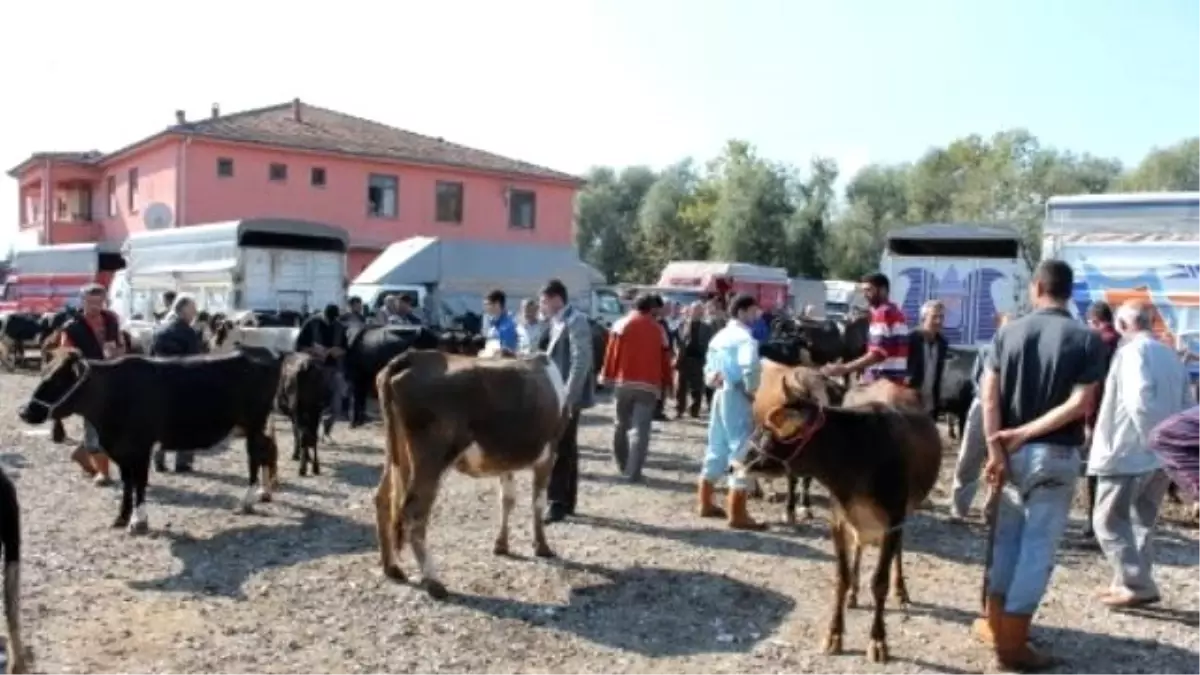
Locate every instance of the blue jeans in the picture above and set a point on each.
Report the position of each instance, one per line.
(1035, 505)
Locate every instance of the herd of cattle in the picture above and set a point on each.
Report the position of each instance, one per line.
(443, 407)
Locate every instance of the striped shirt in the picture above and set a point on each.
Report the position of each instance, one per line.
(888, 337)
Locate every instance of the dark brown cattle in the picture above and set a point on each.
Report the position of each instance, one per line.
(878, 463)
(10, 539)
(484, 417)
(303, 393)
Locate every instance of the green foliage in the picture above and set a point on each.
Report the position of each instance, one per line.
(743, 207)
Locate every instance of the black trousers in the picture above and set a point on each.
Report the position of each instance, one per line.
(564, 478)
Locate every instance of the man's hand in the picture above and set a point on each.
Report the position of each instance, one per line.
(336, 352)
(834, 370)
(1008, 440)
(717, 380)
(996, 469)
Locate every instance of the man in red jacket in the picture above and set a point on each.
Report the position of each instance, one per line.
(637, 364)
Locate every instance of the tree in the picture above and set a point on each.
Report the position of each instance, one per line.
(753, 207)
(606, 218)
(1171, 169)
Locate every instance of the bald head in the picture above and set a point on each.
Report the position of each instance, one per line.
(1134, 316)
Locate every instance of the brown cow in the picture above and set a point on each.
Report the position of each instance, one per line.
(484, 417)
(878, 462)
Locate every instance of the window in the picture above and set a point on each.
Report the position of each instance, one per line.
(112, 196)
(381, 195)
(317, 177)
(224, 167)
(278, 172)
(133, 190)
(449, 202)
(522, 209)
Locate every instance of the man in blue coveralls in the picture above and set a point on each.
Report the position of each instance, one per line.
(500, 325)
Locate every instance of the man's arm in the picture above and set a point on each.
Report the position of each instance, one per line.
(1082, 397)
(507, 334)
(580, 351)
(1134, 384)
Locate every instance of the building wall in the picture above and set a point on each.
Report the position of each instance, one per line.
(156, 172)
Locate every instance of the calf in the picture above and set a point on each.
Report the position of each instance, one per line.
(10, 539)
(483, 417)
(16, 330)
(878, 463)
(302, 396)
(958, 390)
(189, 403)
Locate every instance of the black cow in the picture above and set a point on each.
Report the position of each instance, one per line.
(16, 330)
(958, 390)
(10, 539)
(189, 403)
(302, 396)
(830, 341)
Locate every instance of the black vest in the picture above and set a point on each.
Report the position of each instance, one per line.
(84, 338)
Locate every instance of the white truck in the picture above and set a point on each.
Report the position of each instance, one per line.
(1141, 246)
(450, 277)
(975, 270)
(265, 264)
(841, 297)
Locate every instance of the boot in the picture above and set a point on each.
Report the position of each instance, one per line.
(1012, 645)
(80, 456)
(987, 627)
(739, 517)
(704, 498)
(100, 462)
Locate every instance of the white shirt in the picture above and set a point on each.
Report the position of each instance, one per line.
(1146, 383)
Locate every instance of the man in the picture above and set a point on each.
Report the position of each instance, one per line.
(177, 338)
(732, 368)
(660, 315)
(927, 355)
(96, 333)
(694, 335)
(397, 310)
(500, 326)
(324, 337)
(638, 366)
(530, 328)
(568, 342)
(887, 343)
(1146, 384)
(1176, 441)
(168, 301)
(972, 450)
(1036, 389)
(354, 315)
(1100, 320)
(716, 318)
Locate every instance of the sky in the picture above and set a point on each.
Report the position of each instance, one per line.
(575, 83)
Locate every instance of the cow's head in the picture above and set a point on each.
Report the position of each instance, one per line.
(776, 445)
(55, 394)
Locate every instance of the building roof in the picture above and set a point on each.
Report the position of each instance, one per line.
(323, 130)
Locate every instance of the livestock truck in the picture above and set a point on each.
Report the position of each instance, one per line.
(48, 278)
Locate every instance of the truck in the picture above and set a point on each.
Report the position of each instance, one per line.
(1140, 246)
(769, 285)
(263, 264)
(975, 270)
(841, 297)
(448, 278)
(46, 279)
(806, 297)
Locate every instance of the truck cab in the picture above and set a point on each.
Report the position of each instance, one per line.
(769, 285)
(48, 278)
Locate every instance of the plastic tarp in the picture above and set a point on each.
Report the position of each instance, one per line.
(960, 231)
(700, 273)
(477, 265)
(60, 259)
(212, 247)
(1151, 216)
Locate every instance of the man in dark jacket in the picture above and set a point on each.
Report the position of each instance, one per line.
(660, 313)
(1100, 320)
(694, 335)
(324, 337)
(176, 338)
(927, 355)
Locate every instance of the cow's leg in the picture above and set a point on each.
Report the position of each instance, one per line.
(300, 450)
(899, 588)
(855, 565)
(789, 511)
(837, 623)
(877, 649)
(541, 481)
(360, 386)
(419, 497)
(389, 525)
(126, 510)
(140, 524)
(316, 460)
(806, 496)
(508, 499)
(256, 462)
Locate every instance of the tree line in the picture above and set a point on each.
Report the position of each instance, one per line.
(744, 207)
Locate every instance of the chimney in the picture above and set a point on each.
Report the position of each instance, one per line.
(180, 117)
(296, 110)
(216, 111)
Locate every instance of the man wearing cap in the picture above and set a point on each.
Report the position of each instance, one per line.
(96, 333)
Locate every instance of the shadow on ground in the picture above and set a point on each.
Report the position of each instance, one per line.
(653, 612)
(222, 564)
(767, 543)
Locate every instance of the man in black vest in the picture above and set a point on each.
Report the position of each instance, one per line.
(324, 337)
(96, 333)
(174, 339)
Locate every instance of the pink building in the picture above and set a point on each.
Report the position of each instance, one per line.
(295, 160)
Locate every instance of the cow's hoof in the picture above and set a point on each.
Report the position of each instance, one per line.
(296, 456)
(808, 514)
(833, 644)
(435, 589)
(120, 522)
(265, 497)
(393, 572)
(877, 651)
(139, 527)
(543, 551)
(316, 469)
(775, 498)
(245, 508)
(852, 601)
(790, 518)
(901, 598)
(500, 547)
(303, 471)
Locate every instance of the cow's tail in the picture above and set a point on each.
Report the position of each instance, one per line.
(10, 538)
(398, 464)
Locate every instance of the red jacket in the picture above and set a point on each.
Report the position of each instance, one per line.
(638, 354)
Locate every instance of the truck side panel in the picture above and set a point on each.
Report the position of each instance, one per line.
(292, 279)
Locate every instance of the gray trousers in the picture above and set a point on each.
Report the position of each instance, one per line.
(1126, 510)
(635, 412)
(972, 453)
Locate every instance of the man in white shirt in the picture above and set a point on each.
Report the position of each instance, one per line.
(1146, 384)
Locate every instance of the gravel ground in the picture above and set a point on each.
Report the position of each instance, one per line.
(641, 584)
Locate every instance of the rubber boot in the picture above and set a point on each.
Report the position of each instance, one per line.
(1013, 651)
(987, 627)
(739, 516)
(704, 498)
(100, 462)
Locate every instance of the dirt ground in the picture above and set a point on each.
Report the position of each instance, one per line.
(641, 584)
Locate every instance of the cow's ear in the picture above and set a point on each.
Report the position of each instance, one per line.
(784, 423)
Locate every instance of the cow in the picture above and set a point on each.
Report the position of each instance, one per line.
(189, 403)
(878, 462)
(832, 341)
(16, 330)
(369, 349)
(483, 417)
(10, 539)
(301, 397)
(958, 389)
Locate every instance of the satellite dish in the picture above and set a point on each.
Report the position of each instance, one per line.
(158, 216)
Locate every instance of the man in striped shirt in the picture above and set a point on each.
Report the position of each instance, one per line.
(887, 345)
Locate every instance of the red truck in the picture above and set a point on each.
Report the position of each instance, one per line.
(770, 285)
(47, 278)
